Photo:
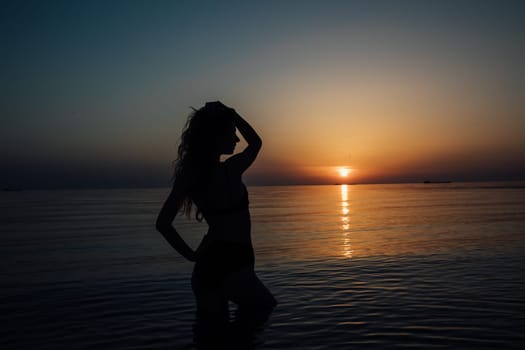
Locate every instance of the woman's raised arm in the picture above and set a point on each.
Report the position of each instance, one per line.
(243, 160)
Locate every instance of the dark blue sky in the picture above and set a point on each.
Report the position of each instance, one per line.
(95, 93)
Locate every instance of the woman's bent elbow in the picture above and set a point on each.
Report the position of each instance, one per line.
(161, 226)
(257, 144)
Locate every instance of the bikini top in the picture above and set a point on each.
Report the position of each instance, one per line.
(242, 204)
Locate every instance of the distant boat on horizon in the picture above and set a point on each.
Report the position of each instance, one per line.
(11, 189)
(436, 182)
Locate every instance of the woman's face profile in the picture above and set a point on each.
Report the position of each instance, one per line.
(227, 139)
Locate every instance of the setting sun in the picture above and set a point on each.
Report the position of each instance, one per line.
(344, 171)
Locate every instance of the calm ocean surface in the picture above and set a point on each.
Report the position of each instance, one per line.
(353, 267)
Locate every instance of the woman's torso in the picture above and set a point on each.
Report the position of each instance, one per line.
(223, 202)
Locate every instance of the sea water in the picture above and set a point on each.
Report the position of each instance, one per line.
(352, 266)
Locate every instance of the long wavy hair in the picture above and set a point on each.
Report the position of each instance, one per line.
(197, 150)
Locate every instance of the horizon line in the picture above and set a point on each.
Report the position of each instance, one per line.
(440, 182)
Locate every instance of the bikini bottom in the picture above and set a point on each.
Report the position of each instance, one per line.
(217, 260)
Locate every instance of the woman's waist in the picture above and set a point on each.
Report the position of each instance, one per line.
(232, 235)
(215, 247)
(238, 221)
(218, 214)
(225, 211)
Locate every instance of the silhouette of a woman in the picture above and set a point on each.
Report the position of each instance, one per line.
(224, 260)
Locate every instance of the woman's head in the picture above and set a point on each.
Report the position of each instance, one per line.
(209, 132)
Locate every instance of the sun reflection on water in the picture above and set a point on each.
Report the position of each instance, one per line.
(345, 219)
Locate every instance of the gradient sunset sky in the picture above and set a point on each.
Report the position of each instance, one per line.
(95, 93)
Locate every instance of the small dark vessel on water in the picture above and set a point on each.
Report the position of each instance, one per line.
(12, 189)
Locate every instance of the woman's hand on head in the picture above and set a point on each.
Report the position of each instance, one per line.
(220, 107)
(215, 104)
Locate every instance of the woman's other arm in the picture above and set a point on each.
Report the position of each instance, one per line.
(167, 214)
